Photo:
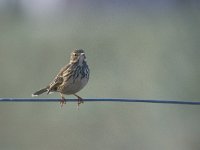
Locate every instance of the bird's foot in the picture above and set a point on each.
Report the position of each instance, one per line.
(62, 101)
(80, 101)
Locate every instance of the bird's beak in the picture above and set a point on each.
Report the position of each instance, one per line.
(83, 54)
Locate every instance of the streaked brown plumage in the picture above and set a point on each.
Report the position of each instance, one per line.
(71, 78)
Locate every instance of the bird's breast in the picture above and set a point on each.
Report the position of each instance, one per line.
(73, 86)
(75, 79)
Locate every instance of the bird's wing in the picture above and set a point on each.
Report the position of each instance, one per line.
(58, 80)
(63, 69)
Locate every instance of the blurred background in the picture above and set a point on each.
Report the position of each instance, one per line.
(135, 49)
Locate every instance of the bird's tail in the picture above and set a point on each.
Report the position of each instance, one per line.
(40, 91)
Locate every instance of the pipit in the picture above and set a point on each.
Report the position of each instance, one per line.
(70, 79)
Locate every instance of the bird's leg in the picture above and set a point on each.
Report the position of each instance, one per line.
(63, 100)
(80, 100)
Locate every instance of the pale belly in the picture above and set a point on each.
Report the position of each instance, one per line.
(73, 87)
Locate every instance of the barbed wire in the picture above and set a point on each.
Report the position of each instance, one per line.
(101, 100)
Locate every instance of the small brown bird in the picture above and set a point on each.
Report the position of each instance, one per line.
(71, 78)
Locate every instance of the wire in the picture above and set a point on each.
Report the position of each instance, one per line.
(101, 100)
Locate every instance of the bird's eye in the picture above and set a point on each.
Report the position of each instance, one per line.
(75, 54)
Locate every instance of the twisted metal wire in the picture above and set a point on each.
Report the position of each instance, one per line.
(102, 100)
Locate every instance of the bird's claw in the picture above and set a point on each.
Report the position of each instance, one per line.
(62, 102)
(80, 101)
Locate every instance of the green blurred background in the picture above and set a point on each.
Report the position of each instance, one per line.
(135, 49)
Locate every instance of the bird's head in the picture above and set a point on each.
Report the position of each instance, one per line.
(78, 55)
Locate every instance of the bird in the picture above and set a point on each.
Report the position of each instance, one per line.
(70, 79)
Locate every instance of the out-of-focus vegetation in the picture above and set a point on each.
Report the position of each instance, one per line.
(134, 50)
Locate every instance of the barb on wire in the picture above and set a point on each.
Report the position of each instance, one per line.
(101, 100)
